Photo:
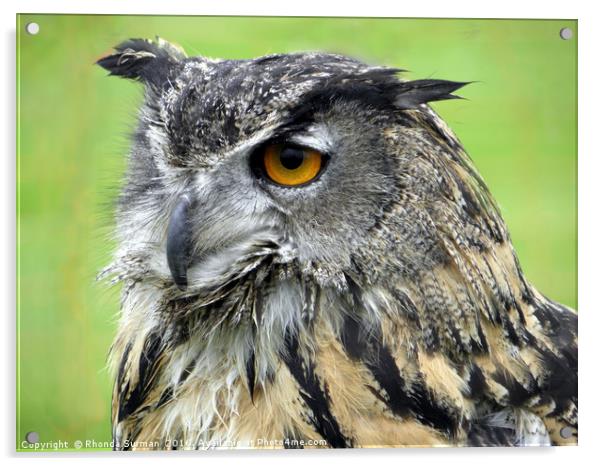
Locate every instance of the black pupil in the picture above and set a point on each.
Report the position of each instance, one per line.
(291, 157)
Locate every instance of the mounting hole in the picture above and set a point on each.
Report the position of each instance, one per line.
(566, 33)
(32, 437)
(566, 432)
(32, 28)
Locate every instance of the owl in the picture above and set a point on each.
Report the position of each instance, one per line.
(308, 258)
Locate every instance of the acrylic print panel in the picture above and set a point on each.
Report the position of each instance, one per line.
(222, 250)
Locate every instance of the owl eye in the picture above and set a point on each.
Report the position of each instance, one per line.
(289, 165)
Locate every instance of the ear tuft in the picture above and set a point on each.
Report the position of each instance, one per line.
(414, 93)
(143, 59)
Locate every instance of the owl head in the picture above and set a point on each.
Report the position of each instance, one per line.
(311, 159)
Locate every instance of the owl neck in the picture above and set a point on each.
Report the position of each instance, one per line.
(260, 322)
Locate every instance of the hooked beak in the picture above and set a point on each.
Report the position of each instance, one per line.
(179, 241)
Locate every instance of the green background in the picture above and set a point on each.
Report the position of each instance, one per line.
(518, 123)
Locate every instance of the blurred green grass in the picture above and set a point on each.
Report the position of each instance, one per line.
(518, 123)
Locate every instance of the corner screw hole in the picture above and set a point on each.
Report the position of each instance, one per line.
(566, 33)
(566, 432)
(32, 28)
(32, 437)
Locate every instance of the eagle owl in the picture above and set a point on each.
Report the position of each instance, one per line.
(309, 258)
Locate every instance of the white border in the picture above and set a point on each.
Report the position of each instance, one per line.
(379, 8)
(590, 196)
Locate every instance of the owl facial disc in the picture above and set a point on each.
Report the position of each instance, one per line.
(178, 247)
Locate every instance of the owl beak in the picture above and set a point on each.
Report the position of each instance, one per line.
(179, 241)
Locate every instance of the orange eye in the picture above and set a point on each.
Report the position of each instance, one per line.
(291, 165)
